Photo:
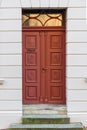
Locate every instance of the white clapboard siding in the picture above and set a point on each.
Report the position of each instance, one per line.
(10, 60)
(77, 60)
(54, 3)
(77, 107)
(10, 105)
(10, 3)
(44, 3)
(76, 13)
(26, 3)
(11, 84)
(10, 71)
(0, 2)
(10, 48)
(75, 83)
(76, 48)
(7, 119)
(10, 13)
(77, 3)
(10, 95)
(10, 113)
(81, 117)
(35, 3)
(77, 25)
(63, 3)
(11, 36)
(77, 72)
(79, 36)
(10, 25)
(77, 95)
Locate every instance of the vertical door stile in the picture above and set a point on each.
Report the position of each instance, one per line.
(46, 67)
(64, 67)
(42, 64)
(23, 68)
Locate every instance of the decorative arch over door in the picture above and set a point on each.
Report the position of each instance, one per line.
(44, 57)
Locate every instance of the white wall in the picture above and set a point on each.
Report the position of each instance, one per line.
(77, 61)
(11, 58)
(10, 63)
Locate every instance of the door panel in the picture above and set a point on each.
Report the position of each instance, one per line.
(44, 67)
(55, 62)
(31, 65)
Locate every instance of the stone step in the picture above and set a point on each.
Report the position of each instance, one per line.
(41, 109)
(45, 119)
(73, 126)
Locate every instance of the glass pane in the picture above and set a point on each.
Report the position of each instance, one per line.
(24, 18)
(53, 22)
(34, 22)
(34, 15)
(54, 15)
(60, 17)
(42, 19)
(26, 23)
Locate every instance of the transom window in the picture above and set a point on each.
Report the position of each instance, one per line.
(43, 18)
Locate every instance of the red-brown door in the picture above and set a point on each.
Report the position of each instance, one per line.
(44, 67)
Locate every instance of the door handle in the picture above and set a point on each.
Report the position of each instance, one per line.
(30, 50)
(44, 69)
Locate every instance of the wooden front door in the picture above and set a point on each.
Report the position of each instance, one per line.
(44, 66)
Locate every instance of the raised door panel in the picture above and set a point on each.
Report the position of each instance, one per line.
(31, 67)
(55, 64)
